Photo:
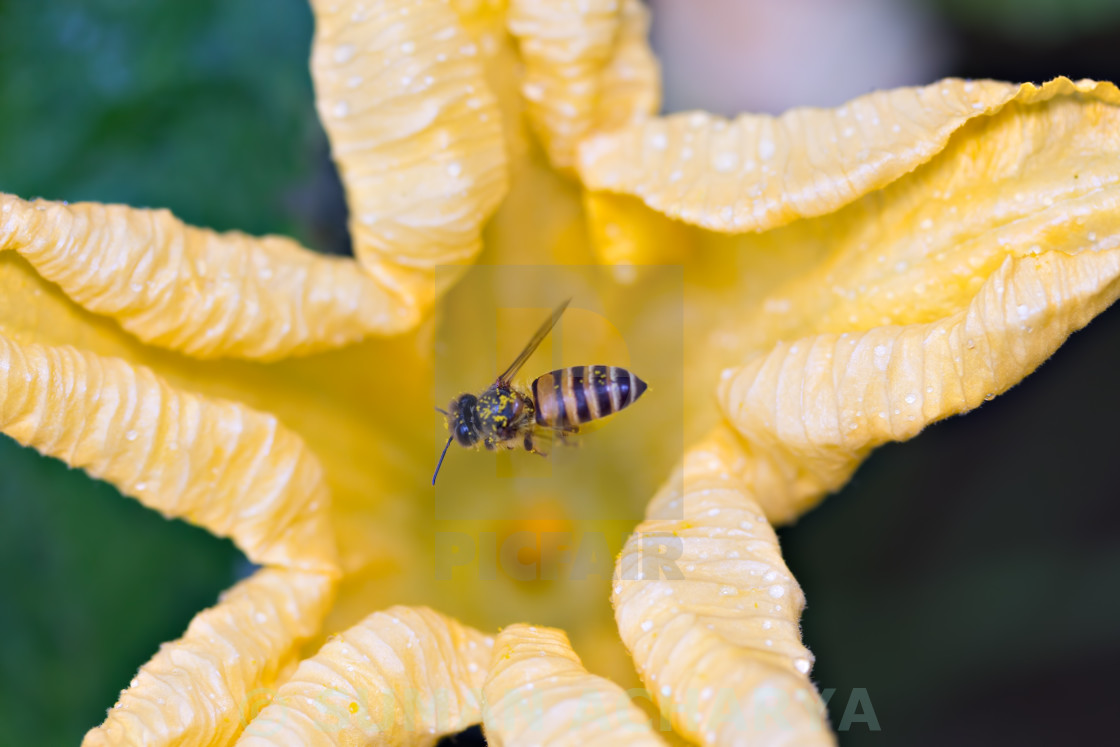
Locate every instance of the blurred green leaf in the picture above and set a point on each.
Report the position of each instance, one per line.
(204, 107)
(1044, 21)
(92, 584)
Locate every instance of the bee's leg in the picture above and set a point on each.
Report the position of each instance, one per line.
(488, 443)
(565, 433)
(530, 445)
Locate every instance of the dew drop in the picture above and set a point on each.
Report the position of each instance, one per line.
(533, 91)
(725, 162)
(343, 53)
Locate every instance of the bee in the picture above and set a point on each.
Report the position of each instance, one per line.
(556, 404)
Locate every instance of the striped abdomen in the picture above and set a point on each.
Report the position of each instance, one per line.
(572, 396)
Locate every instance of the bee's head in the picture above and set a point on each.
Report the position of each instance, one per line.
(462, 420)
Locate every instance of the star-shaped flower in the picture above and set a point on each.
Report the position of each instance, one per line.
(849, 276)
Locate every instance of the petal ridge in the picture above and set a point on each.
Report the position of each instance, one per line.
(403, 674)
(538, 692)
(237, 472)
(814, 407)
(710, 613)
(200, 292)
(203, 688)
(760, 172)
(415, 130)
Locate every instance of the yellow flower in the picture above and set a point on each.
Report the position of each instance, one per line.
(849, 276)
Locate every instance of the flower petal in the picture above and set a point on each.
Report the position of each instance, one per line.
(1039, 174)
(717, 639)
(630, 87)
(761, 172)
(565, 47)
(197, 291)
(203, 688)
(405, 675)
(236, 472)
(624, 232)
(424, 166)
(415, 130)
(537, 692)
(587, 66)
(816, 406)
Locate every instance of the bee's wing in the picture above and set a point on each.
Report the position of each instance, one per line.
(545, 437)
(509, 373)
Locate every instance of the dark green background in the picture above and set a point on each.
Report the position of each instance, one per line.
(973, 598)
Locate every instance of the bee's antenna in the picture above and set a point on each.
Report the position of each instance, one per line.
(445, 412)
(446, 446)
